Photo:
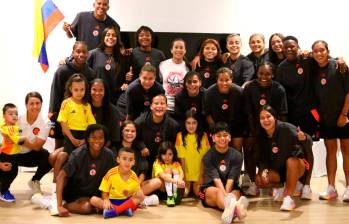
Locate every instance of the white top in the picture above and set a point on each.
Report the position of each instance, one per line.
(172, 78)
(39, 129)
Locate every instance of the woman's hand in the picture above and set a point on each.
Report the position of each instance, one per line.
(5, 166)
(300, 134)
(342, 120)
(145, 152)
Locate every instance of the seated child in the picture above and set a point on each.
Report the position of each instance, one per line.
(222, 167)
(167, 174)
(121, 193)
(11, 142)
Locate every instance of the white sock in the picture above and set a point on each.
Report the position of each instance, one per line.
(168, 186)
(175, 177)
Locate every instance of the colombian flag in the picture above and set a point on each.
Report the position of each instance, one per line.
(47, 16)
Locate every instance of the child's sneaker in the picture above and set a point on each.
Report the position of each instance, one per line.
(229, 210)
(151, 200)
(346, 195)
(109, 213)
(278, 194)
(7, 197)
(40, 200)
(306, 193)
(179, 195)
(298, 191)
(329, 194)
(170, 202)
(34, 185)
(128, 212)
(287, 204)
(252, 190)
(241, 208)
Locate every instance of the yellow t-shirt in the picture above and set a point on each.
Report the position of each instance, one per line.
(191, 155)
(117, 187)
(159, 167)
(77, 116)
(12, 131)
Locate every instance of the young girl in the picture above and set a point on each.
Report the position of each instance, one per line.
(210, 62)
(75, 116)
(172, 72)
(167, 174)
(224, 102)
(192, 144)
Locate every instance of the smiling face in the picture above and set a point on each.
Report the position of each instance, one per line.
(144, 39)
(96, 141)
(159, 106)
(193, 85)
(267, 121)
(210, 52)
(101, 8)
(234, 44)
(221, 140)
(264, 75)
(257, 44)
(178, 50)
(276, 44)
(97, 93)
(321, 53)
(77, 90)
(110, 38)
(191, 125)
(290, 49)
(33, 106)
(80, 54)
(224, 82)
(129, 133)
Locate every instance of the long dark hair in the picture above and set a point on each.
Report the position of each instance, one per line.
(199, 131)
(164, 146)
(273, 58)
(76, 78)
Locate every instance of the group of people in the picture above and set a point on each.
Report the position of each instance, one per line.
(131, 126)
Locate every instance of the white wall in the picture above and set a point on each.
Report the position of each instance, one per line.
(308, 20)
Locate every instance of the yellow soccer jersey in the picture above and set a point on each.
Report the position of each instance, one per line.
(191, 155)
(117, 187)
(12, 131)
(159, 167)
(77, 116)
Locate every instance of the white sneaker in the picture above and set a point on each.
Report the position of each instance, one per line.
(34, 185)
(151, 200)
(53, 205)
(41, 200)
(329, 194)
(252, 190)
(346, 195)
(229, 209)
(287, 204)
(306, 193)
(245, 181)
(241, 208)
(298, 191)
(278, 194)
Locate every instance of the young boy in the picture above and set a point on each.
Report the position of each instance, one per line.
(10, 148)
(121, 193)
(222, 167)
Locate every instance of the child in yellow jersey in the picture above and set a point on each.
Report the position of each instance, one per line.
(192, 144)
(10, 148)
(167, 174)
(74, 116)
(121, 193)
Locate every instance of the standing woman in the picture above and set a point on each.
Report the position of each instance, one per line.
(281, 156)
(224, 102)
(75, 64)
(332, 93)
(241, 66)
(259, 53)
(107, 61)
(172, 72)
(104, 112)
(276, 54)
(210, 61)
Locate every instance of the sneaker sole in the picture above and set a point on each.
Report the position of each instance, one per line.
(228, 213)
(6, 200)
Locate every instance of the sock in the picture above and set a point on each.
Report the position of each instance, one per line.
(168, 186)
(175, 177)
(126, 205)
